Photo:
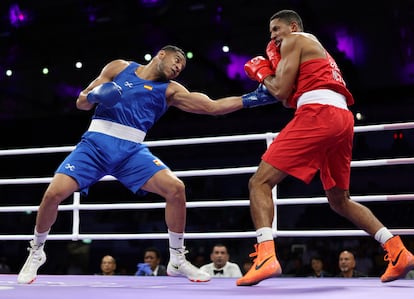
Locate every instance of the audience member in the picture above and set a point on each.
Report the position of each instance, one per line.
(199, 260)
(295, 267)
(317, 267)
(347, 265)
(364, 256)
(152, 264)
(78, 258)
(220, 265)
(108, 265)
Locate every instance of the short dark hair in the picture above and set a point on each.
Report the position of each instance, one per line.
(171, 48)
(317, 257)
(289, 16)
(219, 245)
(155, 250)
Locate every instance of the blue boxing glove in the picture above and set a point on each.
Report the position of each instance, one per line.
(108, 94)
(143, 269)
(259, 97)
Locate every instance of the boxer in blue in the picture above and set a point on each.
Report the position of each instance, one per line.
(128, 99)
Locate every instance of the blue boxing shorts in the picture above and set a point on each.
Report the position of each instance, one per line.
(98, 155)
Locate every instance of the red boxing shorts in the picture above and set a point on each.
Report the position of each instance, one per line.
(319, 137)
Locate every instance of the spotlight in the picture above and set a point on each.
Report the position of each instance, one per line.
(17, 16)
(151, 3)
(225, 49)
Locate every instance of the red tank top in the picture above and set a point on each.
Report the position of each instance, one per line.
(320, 73)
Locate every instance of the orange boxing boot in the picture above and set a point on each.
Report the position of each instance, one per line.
(265, 265)
(400, 260)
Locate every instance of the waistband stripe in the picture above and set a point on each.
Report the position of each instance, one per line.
(323, 97)
(117, 130)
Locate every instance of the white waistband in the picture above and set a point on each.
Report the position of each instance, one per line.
(116, 130)
(324, 97)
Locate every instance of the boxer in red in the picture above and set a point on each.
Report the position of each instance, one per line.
(301, 74)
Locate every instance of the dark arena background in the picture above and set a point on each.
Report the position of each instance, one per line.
(51, 50)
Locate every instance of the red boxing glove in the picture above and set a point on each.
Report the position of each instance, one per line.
(258, 68)
(273, 53)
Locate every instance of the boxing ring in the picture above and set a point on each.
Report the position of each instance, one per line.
(132, 287)
(50, 286)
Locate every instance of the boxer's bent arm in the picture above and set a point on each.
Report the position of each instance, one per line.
(107, 74)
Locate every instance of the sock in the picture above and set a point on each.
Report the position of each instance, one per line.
(176, 242)
(176, 239)
(40, 238)
(264, 234)
(383, 235)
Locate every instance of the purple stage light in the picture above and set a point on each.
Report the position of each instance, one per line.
(151, 3)
(65, 90)
(17, 16)
(235, 68)
(345, 44)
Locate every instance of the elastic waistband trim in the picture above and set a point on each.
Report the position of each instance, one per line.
(117, 130)
(324, 97)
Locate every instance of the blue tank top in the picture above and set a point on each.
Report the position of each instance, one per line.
(143, 102)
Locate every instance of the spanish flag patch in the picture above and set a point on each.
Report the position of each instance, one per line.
(157, 162)
(148, 87)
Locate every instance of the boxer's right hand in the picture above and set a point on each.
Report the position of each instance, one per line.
(273, 53)
(108, 94)
(258, 68)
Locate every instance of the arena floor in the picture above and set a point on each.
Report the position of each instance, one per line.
(132, 287)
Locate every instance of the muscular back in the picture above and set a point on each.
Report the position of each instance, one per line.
(304, 66)
(314, 68)
(311, 48)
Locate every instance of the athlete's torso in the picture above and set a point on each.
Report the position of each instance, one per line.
(143, 101)
(320, 73)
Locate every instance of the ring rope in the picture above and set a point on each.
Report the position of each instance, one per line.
(188, 141)
(77, 206)
(223, 171)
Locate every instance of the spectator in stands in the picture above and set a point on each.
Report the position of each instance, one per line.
(220, 265)
(317, 267)
(108, 265)
(347, 265)
(152, 264)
